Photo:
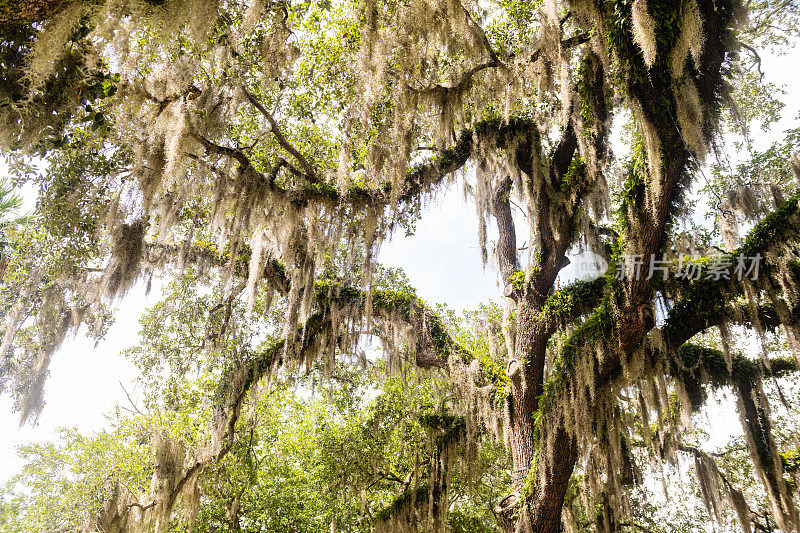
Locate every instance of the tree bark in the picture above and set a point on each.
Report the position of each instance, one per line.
(545, 508)
(27, 11)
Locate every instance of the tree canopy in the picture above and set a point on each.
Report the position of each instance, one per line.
(255, 154)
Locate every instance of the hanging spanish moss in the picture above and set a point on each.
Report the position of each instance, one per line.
(754, 413)
(716, 491)
(126, 257)
(239, 148)
(644, 31)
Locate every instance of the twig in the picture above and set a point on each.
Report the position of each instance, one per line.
(142, 507)
(310, 175)
(480, 35)
(637, 526)
(130, 400)
(756, 58)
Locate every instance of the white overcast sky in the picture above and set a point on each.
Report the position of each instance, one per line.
(441, 259)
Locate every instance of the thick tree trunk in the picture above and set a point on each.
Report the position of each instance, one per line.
(522, 405)
(526, 387)
(545, 507)
(27, 11)
(541, 513)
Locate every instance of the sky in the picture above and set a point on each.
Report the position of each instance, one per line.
(441, 259)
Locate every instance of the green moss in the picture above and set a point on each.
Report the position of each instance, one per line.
(517, 280)
(794, 269)
(779, 226)
(441, 421)
(791, 460)
(698, 365)
(324, 189)
(456, 155)
(709, 365)
(413, 498)
(255, 364)
(636, 175)
(566, 303)
(329, 291)
(704, 300)
(451, 427)
(575, 176)
(781, 366)
(279, 267)
(406, 305)
(592, 93)
(400, 302)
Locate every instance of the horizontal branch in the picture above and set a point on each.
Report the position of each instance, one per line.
(418, 180)
(159, 255)
(434, 344)
(703, 365)
(705, 302)
(573, 301)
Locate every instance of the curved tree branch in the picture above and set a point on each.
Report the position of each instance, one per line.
(418, 180)
(507, 241)
(276, 131)
(705, 301)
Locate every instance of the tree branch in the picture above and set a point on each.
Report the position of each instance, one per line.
(507, 241)
(276, 131)
(434, 345)
(705, 301)
(756, 58)
(569, 303)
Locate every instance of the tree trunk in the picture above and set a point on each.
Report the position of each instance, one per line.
(28, 11)
(541, 511)
(545, 507)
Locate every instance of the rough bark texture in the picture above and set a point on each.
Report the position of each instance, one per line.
(27, 11)
(646, 235)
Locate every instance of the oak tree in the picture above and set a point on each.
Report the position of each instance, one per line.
(279, 143)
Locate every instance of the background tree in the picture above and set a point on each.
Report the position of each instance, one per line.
(279, 143)
(329, 454)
